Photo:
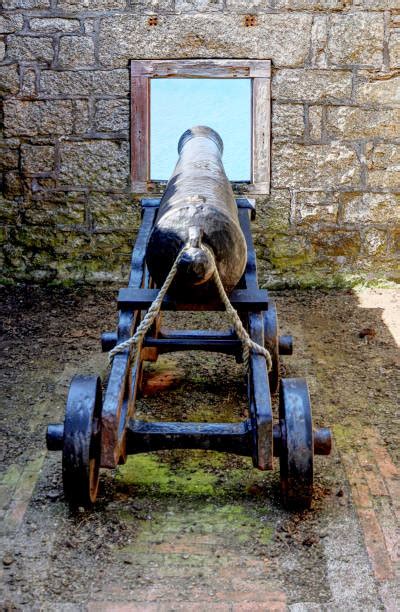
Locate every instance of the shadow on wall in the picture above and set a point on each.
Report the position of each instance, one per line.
(326, 259)
(309, 240)
(305, 254)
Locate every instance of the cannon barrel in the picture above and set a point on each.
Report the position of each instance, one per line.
(198, 206)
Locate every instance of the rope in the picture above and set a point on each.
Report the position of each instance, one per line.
(151, 314)
(247, 342)
(148, 320)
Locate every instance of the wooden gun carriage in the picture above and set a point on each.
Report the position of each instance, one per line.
(100, 430)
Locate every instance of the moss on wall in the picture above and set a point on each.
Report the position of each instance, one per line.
(333, 215)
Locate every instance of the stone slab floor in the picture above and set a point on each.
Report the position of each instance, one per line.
(198, 531)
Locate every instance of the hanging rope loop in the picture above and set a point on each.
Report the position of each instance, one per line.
(151, 315)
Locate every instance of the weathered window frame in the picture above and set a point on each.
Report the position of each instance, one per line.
(259, 71)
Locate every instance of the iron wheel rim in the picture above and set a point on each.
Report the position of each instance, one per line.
(296, 456)
(82, 441)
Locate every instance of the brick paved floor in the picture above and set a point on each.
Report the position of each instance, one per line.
(198, 531)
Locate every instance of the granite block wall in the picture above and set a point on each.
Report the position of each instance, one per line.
(67, 211)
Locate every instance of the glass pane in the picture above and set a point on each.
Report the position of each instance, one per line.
(222, 104)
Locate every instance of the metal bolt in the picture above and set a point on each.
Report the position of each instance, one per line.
(108, 341)
(55, 436)
(285, 344)
(322, 441)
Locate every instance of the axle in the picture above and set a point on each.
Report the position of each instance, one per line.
(186, 340)
(237, 438)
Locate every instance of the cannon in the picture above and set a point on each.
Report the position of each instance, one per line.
(193, 252)
(198, 200)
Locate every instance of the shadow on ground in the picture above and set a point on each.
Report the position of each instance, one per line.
(193, 530)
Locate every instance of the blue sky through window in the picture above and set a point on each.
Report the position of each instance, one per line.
(222, 104)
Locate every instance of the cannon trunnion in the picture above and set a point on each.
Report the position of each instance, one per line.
(100, 428)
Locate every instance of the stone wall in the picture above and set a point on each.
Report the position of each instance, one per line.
(333, 214)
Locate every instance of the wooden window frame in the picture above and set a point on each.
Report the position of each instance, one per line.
(259, 71)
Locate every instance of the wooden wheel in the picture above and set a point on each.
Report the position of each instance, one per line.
(271, 342)
(296, 444)
(82, 441)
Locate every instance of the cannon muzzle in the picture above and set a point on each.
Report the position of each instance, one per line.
(196, 265)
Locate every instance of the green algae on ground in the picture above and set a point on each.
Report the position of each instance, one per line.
(194, 496)
(204, 413)
(189, 474)
(237, 523)
(348, 434)
(150, 475)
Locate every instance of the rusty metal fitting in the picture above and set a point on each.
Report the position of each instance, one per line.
(285, 345)
(55, 436)
(108, 341)
(322, 441)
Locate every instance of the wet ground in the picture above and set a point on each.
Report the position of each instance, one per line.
(190, 530)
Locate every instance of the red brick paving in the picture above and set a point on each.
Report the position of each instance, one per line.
(272, 602)
(375, 487)
(17, 485)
